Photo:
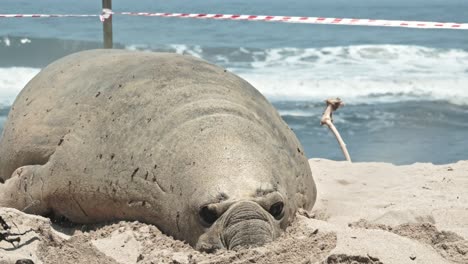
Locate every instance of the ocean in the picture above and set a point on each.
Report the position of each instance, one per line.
(405, 90)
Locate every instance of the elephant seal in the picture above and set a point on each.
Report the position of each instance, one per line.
(161, 138)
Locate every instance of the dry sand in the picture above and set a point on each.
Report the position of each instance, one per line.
(366, 213)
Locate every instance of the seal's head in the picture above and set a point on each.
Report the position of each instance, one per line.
(244, 223)
(236, 187)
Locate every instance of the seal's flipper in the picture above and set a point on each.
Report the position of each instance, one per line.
(25, 191)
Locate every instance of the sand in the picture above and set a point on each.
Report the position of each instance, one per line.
(365, 213)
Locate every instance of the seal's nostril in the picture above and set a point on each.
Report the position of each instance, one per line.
(208, 215)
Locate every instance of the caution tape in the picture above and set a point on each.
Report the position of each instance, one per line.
(44, 15)
(107, 13)
(312, 20)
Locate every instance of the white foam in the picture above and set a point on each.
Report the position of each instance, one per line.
(371, 73)
(7, 41)
(25, 40)
(368, 61)
(184, 49)
(282, 88)
(358, 74)
(140, 47)
(12, 81)
(195, 51)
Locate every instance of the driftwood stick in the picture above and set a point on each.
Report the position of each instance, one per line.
(327, 119)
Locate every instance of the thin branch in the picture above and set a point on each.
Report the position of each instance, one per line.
(4, 225)
(327, 119)
(6, 234)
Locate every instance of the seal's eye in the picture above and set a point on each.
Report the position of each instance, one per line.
(276, 210)
(208, 215)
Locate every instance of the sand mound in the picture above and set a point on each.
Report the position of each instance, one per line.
(367, 213)
(134, 242)
(448, 244)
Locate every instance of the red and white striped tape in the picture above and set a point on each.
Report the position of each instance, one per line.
(106, 13)
(312, 20)
(44, 15)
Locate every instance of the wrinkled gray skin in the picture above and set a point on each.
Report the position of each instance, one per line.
(161, 138)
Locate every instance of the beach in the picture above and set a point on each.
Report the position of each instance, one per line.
(405, 123)
(365, 213)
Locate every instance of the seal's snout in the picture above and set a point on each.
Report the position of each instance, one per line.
(244, 211)
(246, 225)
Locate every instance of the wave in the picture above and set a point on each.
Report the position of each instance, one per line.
(280, 88)
(352, 59)
(12, 80)
(359, 74)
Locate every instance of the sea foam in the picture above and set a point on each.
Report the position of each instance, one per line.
(358, 74)
(12, 80)
(361, 74)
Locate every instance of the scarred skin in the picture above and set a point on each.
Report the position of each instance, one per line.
(161, 138)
